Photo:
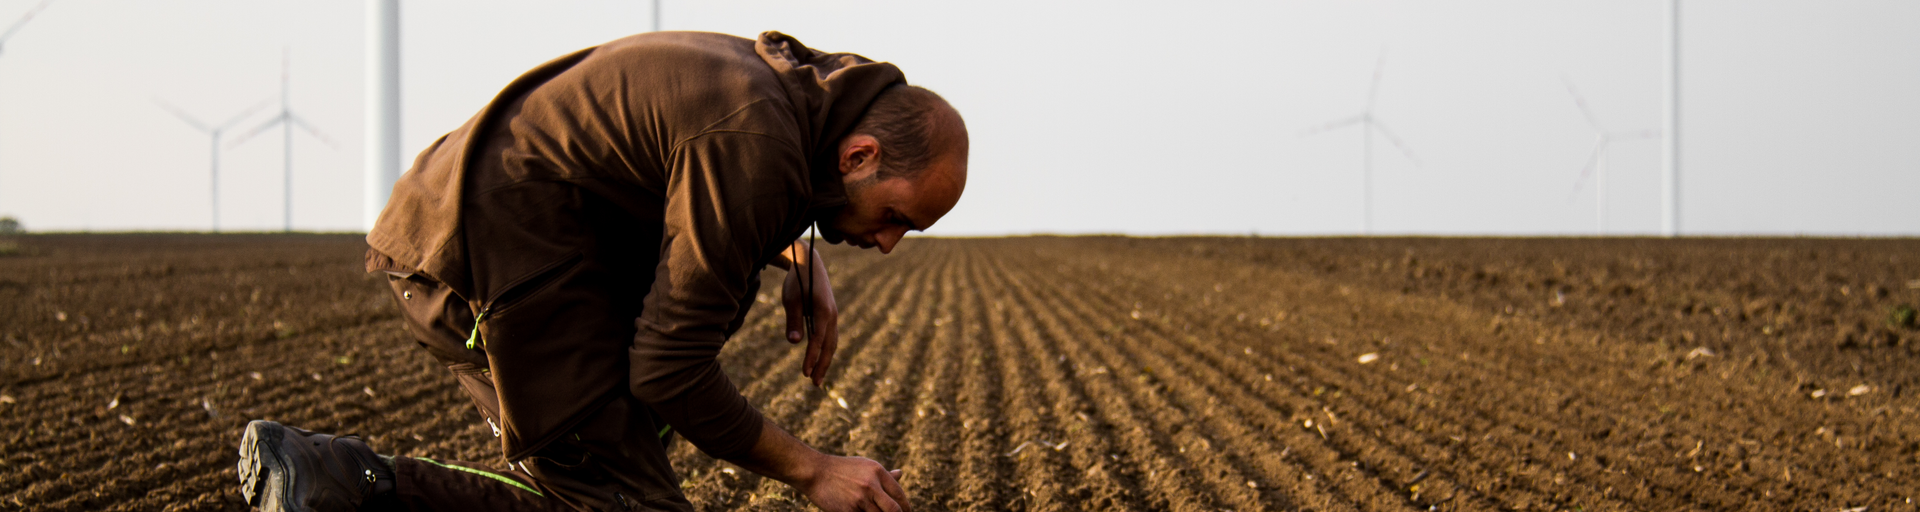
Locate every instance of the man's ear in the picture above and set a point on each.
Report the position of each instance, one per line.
(858, 152)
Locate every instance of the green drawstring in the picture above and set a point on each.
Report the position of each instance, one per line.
(475, 338)
(663, 431)
(488, 474)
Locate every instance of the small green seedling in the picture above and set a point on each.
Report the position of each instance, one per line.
(1901, 316)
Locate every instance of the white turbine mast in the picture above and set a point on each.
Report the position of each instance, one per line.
(1369, 123)
(1670, 143)
(1597, 161)
(286, 120)
(383, 108)
(213, 132)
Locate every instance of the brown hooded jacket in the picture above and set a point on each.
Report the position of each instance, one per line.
(686, 161)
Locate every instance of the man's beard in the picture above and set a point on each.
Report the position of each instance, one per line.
(826, 223)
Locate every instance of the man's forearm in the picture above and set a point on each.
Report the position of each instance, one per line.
(780, 456)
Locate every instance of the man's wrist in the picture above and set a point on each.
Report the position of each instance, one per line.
(780, 456)
(795, 256)
(806, 468)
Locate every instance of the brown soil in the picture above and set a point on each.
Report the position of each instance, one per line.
(1066, 373)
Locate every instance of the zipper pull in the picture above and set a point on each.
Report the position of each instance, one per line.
(475, 337)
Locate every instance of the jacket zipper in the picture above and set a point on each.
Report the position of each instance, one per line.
(544, 275)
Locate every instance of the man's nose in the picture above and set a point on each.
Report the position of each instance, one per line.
(888, 238)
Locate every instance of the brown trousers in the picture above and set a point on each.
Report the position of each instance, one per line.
(615, 459)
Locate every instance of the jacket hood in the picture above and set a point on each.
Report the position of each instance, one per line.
(830, 93)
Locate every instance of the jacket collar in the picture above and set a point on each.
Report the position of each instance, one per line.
(829, 92)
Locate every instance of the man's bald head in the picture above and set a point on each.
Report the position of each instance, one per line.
(904, 167)
(915, 127)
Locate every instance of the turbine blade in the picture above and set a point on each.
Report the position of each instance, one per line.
(1333, 125)
(23, 20)
(1395, 139)
(315, 132)
(1373, 89)
(244, 114)
(257, 130)
(182, 114)
(1581, 102)
(1593, 162)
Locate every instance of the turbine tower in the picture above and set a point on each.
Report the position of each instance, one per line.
(1670, 146)
(1597, 163)
(1369, 124)
(213, 132)
(286, 120)
(383, 108)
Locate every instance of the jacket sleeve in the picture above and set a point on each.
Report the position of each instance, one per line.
(730, 196)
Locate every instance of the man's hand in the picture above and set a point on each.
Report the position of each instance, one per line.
(825, 337)
(854, 484)
(833, 483)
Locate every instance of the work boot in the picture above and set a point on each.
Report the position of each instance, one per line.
(285, 469)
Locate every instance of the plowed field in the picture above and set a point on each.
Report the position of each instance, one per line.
(1066, 373)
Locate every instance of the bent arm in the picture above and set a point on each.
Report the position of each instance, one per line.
(728, 205)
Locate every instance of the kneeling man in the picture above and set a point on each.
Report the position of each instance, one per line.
(578, 252)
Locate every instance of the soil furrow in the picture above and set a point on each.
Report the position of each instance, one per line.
(1036, 456)
(929, 468)
(1294, 421)
(1523, 422)
(981, 403)
(1503, 454)
(1152, 428)
(1093, 470)
(1304, 406)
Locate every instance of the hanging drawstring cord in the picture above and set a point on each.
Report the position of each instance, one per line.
(474, 339)
(806, 283)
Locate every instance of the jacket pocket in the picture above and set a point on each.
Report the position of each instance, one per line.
(531, 284)
(526, 286)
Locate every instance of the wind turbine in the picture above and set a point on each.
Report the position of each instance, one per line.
(1369, 124)
(213, 132)
(1597, 163)
(287, 120)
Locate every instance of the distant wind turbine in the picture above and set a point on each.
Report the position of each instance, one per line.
(287, 120)
(1597, 163)
(1369, 124)
(213, 132)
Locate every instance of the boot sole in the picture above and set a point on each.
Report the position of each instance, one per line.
(264, 468)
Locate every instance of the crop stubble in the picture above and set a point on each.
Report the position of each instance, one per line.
(1064, 373)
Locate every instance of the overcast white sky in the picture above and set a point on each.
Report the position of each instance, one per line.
(1802, 117)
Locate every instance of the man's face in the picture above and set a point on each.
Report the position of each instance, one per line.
(880, 212)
